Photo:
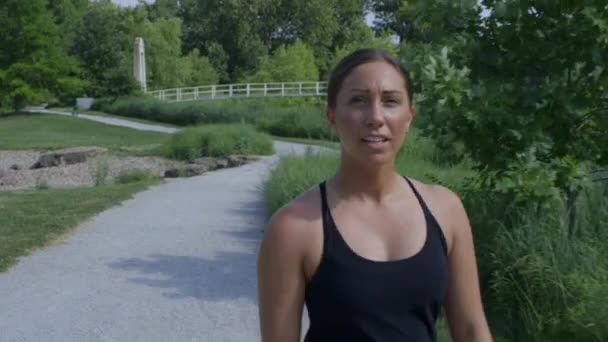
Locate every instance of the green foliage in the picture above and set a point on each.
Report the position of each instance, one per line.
(280, 117)
(206, 22)
(522, 91)
(295, 122)
(540, 284)
(103, 47)
(295, 62)
(218, 140)
(134, 176)
(218, 30)
(366, 39)
(163, 51)
(198, 69)
(35, 68)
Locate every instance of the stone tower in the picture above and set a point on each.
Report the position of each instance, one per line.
(139, 63)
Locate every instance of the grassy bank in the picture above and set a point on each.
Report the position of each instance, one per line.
(42, 131)
(32, 219)
(287, 118)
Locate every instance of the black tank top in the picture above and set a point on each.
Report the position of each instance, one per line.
(351, 298)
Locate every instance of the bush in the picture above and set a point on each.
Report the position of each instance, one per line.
(134, 176)
(218, 140)
(298, 118)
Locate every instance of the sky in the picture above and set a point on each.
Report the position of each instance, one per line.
(369, 18)
(129, 2)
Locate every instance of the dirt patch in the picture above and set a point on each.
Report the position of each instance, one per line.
(16, 172)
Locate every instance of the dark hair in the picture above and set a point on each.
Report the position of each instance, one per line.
(356, 58)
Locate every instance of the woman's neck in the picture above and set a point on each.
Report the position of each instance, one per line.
(368, 183)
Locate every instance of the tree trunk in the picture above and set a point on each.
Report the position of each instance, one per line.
(571, 197)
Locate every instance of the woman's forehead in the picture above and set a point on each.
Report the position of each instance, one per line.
(374, 76)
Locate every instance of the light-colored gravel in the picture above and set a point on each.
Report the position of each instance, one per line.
(105, 166)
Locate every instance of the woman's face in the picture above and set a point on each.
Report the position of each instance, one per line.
(372, 113)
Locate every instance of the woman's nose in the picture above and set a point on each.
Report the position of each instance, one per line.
(375, 115)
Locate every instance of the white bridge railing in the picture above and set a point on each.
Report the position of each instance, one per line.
(244, 90)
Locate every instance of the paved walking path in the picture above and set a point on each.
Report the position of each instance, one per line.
(108, 120)
(175, 263)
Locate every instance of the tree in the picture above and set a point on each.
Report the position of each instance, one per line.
(162, 9)
(67, 15)
(198, 70)
(103, 47)
(234, 25)
(163, 52)
(293, 63)
(35, 68)
(239, 33)
(536, 86)
(367, 39)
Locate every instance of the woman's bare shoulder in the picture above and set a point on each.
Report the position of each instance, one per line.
(446, 206)
(290, 225)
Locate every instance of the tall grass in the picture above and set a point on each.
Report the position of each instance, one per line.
(289, 118)
(217, 140)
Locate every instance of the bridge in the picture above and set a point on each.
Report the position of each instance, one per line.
(241, 90)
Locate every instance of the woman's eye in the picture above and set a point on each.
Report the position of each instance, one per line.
(356, 99)
(392, 101)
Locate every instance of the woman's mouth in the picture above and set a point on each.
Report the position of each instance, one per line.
(375, 141)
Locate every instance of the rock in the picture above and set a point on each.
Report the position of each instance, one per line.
(2, 173)
(171, 173)
(67, 156)
(189, 170)
(15, 167)
(9, 181)
(221, 163)
(234, 161)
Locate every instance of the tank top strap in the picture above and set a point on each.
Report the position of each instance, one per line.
(327, 222)
(430, 218)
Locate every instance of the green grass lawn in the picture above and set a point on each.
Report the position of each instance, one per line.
(43, 131)
(31, 219)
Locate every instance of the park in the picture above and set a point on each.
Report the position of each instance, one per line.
(144, 148)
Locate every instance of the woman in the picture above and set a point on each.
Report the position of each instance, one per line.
(374, 255)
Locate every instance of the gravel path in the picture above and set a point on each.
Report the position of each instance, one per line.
(175, 263)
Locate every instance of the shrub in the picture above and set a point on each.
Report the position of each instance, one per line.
(133, 176)
(298, 118)
(218, 140)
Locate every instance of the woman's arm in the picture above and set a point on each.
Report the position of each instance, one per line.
(464, 309)
(281, 279)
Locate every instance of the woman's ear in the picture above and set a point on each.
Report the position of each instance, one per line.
(330, 113)
(412, 111)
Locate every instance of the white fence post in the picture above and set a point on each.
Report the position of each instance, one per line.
(247, 89)
(282, 89)
(317, 85)
(230, 91)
